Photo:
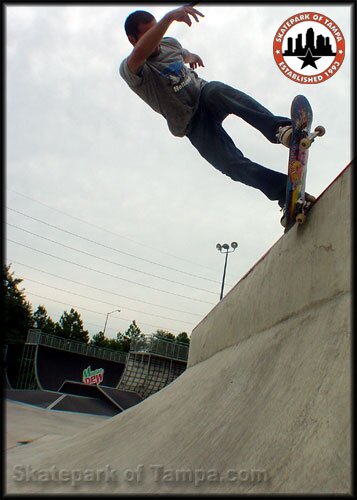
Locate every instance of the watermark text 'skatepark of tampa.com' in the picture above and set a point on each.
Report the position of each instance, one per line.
(135, 476)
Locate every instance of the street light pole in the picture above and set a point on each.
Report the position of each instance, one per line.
(224, 275)
(225, 249)
(106, 319)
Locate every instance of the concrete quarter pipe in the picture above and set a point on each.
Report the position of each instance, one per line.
(264, 406)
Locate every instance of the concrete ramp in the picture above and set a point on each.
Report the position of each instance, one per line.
(264, 406)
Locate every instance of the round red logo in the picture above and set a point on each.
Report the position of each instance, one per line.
(309, 48)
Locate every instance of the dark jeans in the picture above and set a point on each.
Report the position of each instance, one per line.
(206, 133)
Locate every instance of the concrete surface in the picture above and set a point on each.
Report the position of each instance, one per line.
(265, 404)
(25, 423)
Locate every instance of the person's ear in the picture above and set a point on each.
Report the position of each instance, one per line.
(132, 39)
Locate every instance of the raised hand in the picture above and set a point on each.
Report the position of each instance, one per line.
(194, 61)
(182, 14)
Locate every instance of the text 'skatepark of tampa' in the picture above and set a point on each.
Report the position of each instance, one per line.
(311, 53)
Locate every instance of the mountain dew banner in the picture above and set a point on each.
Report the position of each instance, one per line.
(94, 377)
(55, 366)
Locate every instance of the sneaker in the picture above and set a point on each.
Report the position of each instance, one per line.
(284, 135)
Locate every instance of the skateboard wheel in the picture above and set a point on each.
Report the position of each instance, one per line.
(300, 218)
(305, 143)
(320, 130)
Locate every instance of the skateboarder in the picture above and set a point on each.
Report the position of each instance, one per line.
(156, 71)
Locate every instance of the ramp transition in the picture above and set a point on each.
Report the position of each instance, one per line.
(79, 398)
(264, 406)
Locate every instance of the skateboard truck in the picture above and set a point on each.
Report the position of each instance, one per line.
(301, 209)
(307, 141)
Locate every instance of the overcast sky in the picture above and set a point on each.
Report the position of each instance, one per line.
(133, 213)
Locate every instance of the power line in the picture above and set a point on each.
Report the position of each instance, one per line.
(86, 322)
(94, 324)
(107, 274)
(102, 301)
(99, 326)
(94, 312)
(108, 231)
(101, 290)
(107, 260)
(109, 247)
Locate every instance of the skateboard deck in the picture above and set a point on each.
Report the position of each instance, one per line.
(301, 119)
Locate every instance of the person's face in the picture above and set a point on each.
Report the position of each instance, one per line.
(142, 29)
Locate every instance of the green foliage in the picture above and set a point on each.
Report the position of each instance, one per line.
(115, 344)
(169, 337)
(122, 341)
(70, 326)
(100, 340)
(183, 338)
(42, 321)
(164, 335)
(17, 313)
(18, 318)
(133, 333)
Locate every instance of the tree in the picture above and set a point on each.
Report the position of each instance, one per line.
(115, 344)
(17, 316)
(164, 335)
(133, 333)
(70, 326)
(43, 321)
(99, 340)
(183, 338)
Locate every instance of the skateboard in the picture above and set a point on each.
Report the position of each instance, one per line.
(297, 206)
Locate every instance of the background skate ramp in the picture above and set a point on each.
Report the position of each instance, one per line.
(54, 366)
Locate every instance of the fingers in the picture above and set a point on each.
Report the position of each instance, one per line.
(196, 63)
(183, 17)
(187, 20)
(194, 13)
(183, 14)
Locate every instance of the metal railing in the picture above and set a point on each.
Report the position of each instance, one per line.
(161, 347)
(39, 337)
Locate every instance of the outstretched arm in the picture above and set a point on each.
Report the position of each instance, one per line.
(151, 38)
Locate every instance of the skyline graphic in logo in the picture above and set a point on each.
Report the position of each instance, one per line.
(309, 48)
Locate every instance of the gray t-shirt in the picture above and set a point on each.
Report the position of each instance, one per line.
(167, 85)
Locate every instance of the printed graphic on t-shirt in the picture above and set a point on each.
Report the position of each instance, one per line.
(177, 75)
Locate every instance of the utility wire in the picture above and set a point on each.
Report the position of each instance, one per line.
(103, 302)
(107, 260)
(107, 274)
(101, 290)
(111, 248)
(107, 230)
(94, 312)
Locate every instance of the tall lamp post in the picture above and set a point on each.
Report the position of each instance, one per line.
(225, 249)
(106, 319)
